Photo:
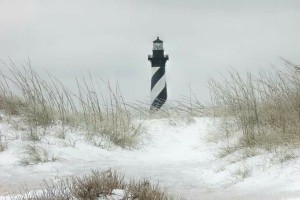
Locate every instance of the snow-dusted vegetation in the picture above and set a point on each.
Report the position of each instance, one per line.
(61, 144)
(265, 106)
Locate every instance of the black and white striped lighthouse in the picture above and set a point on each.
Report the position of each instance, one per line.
(158, 81)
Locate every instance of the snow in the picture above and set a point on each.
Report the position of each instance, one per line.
(177, 155)
(117, 194)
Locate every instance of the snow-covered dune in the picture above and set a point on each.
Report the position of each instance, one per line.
(176, 154)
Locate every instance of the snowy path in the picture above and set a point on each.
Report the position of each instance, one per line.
(178, 156)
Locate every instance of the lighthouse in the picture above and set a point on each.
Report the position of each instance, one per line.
(158, 94)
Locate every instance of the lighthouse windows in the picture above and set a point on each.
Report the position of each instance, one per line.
(157, 46)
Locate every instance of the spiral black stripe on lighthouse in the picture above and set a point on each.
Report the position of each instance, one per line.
(158, 87)
(158, 81)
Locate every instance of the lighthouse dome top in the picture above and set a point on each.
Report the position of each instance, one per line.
(157, 40)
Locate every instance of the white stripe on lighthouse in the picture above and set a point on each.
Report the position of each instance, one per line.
(154, 69)
(159, 86)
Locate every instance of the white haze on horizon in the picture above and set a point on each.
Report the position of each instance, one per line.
(112, 38)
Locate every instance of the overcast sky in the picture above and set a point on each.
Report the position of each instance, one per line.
(112, 38)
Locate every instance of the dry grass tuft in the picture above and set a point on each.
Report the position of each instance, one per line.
(95, 185)
(34, 155)
(145, 190)
(42, 103)
(3, 144)
(265, 107)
